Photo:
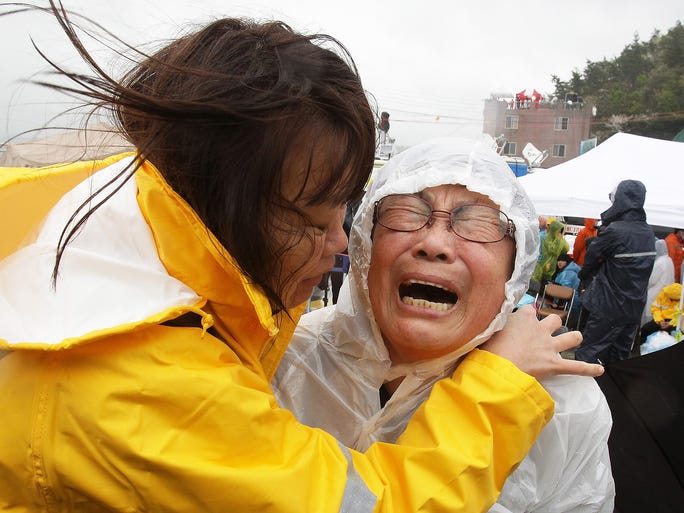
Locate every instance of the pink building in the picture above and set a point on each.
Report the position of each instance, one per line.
(557, 127)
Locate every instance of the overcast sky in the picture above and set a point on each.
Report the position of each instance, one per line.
(430, 63)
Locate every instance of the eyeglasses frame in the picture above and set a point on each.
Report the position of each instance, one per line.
(510, 225)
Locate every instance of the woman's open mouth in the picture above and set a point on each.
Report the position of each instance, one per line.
(427, 295)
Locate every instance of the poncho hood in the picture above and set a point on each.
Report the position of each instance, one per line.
(143, 257)
(554, 228)
(673, 291)
(629, 198)
(441, 161)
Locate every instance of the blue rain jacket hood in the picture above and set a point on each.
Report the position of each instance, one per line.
(629, 199)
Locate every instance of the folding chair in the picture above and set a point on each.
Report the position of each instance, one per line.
(554, 294)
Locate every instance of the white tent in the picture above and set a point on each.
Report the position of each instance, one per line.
(580, 186)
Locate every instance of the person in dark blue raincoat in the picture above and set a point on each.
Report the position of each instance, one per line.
(620, 261)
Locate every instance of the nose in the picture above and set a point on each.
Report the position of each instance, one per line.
(336, 238)
(436, 242)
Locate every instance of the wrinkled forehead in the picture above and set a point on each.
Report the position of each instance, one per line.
(451, 195)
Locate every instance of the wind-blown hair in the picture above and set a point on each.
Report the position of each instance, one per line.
(227, 114)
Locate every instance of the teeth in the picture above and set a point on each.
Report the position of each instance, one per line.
(423, 303)
(410, 282)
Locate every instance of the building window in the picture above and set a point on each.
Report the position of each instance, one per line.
(512, 122)
(509, 148)
(559, 150)
(561, 124)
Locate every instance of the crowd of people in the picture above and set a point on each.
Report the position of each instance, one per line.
(620, 271)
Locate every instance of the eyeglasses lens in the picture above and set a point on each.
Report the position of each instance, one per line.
(476, 223)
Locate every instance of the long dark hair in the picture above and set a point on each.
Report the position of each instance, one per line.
(222, 111)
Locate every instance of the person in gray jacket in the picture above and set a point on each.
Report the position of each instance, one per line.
(619, 264)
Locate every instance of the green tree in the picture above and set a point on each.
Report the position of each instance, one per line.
(641, 91)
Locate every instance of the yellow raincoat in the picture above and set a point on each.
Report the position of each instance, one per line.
(105, 408)
(666, 304)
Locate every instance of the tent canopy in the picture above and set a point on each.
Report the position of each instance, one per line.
(580, 186)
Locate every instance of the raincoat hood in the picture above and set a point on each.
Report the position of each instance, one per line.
(590, 223)
(629, 196)
(437, 162)
(673, 291)
(142, 258)
(661, 247)
(554, 228)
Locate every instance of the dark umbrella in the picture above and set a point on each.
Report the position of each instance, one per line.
(646, 398)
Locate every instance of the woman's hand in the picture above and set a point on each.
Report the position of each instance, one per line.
(527, 342)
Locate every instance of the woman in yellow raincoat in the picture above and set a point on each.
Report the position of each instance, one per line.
(664, 311)
(143, 311)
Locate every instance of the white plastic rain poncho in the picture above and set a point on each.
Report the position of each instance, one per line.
(662, 275)
(336, 363)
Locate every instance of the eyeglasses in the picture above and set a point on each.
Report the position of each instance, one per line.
(474, 222)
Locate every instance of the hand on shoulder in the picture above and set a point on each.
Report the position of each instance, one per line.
(529, 344)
